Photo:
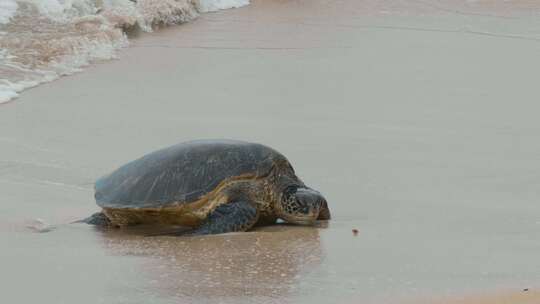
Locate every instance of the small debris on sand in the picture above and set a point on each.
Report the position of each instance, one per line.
(355, 232)
(525, 289)
(39, 226)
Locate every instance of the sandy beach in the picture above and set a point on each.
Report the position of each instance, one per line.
(418, 120)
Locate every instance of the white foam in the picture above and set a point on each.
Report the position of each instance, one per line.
(7, 93)
(11, 89)
(165, 12)
(85, 51)
(63, 10)
(7, 10)
(215, 5)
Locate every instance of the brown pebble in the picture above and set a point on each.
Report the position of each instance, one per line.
(355, 232)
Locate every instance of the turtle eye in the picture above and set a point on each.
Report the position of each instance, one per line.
(289, 192)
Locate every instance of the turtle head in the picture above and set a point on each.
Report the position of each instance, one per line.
(300, 205)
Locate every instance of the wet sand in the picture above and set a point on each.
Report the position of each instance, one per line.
(521, 297)
(418, 122)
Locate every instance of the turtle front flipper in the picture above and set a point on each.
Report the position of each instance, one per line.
(231, 217)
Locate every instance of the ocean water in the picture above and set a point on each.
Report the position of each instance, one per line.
(41, 40)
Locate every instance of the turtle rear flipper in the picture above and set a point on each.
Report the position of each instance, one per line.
(97, 219)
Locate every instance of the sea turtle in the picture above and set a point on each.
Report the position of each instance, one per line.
(213, 186)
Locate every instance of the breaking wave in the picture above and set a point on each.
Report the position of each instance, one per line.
(41, 40)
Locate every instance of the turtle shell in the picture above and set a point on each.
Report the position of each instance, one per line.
(182, 173)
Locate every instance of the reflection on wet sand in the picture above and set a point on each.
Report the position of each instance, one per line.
(265, 265)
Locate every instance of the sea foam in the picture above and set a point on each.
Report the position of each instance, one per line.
(7, 10)
(215, 5)
(41, 40)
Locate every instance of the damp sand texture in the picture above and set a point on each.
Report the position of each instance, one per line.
(419, 124)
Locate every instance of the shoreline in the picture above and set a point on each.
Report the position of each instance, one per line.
(510, 10)
(62, 40)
